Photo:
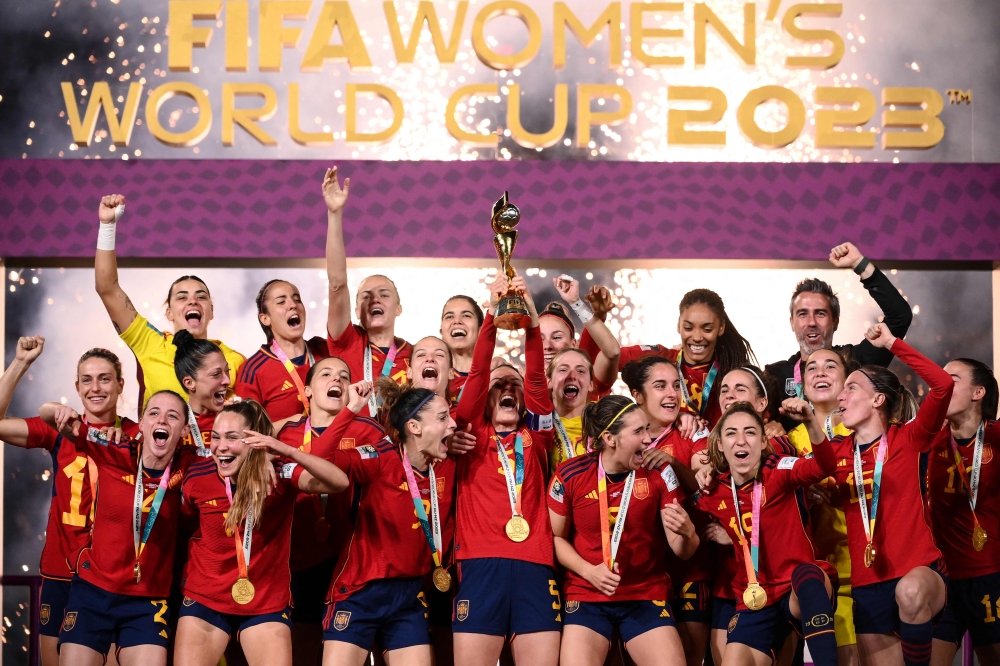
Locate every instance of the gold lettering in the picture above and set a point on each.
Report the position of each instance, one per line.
(559, 121)
(297, 133)
(640, 33)
(564, 17)
(456, 130)
(425, 12)
(237, 35)
(518, 10)
(704, 16)
(585, 117)
(926, 119)
(352, 50)
(816, 62)
(677, 119)
(783, 137)
(245, 117)
(956, 96)
(386, 93)
(183, 36)
(163, 93)
(274, 36)
(100, 96)
(830, 123)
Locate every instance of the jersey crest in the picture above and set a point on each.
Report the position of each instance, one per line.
(69, 622)
(641, 489)
(46, 614)
(462, 610)
(341, 619)
(572, 606)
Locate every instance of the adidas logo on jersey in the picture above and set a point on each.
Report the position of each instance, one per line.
(129, 479)
(842, 462)
(287, 385)
(688, 606)
(944, 454)
(212, 503)
(722, 505)
(591, 495)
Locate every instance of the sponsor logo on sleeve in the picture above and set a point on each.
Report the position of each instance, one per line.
(787, 463)
(367, 452)
(287, 469)
(557, 491)
(669, 478)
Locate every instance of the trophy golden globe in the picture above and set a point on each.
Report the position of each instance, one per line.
(512, 311)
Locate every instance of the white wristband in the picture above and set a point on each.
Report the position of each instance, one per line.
(106, 236)
(582, 311)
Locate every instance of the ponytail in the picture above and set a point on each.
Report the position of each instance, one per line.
(900, 406)
(253, 481)
(605, 416)
(191, 354)
(983, 376)
(400, 404)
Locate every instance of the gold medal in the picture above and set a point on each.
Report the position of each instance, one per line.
(243, 591)
(442, 579)
(321, 529)
(978, 537)
(754, 597)
(138, 572)
(869, 555)
(517, 529)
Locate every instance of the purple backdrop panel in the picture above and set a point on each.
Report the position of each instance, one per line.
(575, 210)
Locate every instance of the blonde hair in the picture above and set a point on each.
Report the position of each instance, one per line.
(253, 479)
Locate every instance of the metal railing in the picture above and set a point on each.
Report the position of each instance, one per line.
(34, 585)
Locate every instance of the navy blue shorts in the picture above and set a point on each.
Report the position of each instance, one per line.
(309, 588)
(55, 594)
(875, 607)
(439, 605)
(502, 597)
(965, 611)
(631, 618)
(229, 623)
(96, 618)
(693, 602)
(723, 611)
(392, 612)
(764, 630)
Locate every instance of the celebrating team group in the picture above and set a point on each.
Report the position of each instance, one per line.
(327, 499)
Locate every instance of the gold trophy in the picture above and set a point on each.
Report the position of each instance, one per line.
(512, 311)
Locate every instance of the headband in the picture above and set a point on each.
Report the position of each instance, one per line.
(419, 406)
(760, 381)
(627, 407)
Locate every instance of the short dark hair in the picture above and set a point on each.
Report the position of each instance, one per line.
(636, 373)
(191, 353)
(472, 302)
(816, 286)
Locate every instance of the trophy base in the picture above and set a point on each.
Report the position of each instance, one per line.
(512, 314)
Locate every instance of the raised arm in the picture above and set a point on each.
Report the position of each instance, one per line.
(115, 300)
(897, 314)
(923, 429)
(537, 398)
(329, 442)
(338, 316)
(12, 430)
(606, 360)
(472, 406)
(318, 476)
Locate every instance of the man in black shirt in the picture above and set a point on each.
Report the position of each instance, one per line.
(815, 316)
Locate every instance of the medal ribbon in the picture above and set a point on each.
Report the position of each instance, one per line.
(971, 484)
(196, 437)
(567, 446)
(318, 500)
(706, 390)
(154, 510)
(663, 435)
(390, 359)
(610, 542)
(92, 471)
(797, 374)
(751, 554)
(868, 519)
(515, 477)
(242, 549)
(828, 427)
(293, 371)
(432, 527)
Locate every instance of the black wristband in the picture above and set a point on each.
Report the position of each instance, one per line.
(862, 265)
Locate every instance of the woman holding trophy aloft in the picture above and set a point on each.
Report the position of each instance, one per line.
(506, 582)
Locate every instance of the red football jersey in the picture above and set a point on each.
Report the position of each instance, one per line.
(785, 540)
(350, 348)
(212, 568)
(265, 379)
(484, 504)
(902, 538)
(455, 385)
(307, 528)
(70, 518)
(951, 517)
(205, 422)
(109, 560)
(386, 540)
(643, 549)
(700, 566)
